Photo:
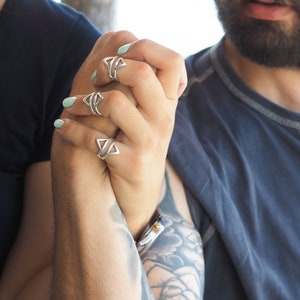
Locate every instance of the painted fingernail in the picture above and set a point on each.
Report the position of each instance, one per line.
(123, 49)
(68, 102)
(94, 75)
(58, 123)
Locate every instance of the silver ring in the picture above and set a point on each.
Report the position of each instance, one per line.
(106, 147)
(92, 101)
(113, 64)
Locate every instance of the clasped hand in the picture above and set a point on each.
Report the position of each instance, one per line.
(137, 111)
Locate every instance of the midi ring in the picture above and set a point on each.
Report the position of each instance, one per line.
(106, 147)
(113, 64)
(92, 101)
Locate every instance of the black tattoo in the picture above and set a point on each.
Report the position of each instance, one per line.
(174, 264)
(173, 268)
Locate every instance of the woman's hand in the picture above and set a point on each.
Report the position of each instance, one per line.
(137, 111)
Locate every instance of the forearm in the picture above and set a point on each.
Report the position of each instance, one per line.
(174, 264)
(27, 270)
(95, 255)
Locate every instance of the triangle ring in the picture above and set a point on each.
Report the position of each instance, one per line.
(106, 147)
(113, 64)
(92, 101)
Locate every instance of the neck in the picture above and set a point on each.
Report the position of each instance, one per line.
(279, 85)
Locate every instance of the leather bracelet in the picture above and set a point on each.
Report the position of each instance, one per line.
(151, 232)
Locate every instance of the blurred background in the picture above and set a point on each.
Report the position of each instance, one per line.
(186, 26)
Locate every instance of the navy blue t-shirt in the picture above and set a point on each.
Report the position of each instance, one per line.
(42, 45)
(238, 155)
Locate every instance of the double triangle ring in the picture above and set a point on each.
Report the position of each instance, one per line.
(113, 64)
(106, 147)
(92, 101)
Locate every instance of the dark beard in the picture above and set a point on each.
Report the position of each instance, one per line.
(263, 42)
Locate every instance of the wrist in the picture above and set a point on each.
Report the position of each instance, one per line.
(151, 232)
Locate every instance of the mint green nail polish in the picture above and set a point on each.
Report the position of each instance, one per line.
(68, 102)
(94, 75)
(123, 49)
(58, 123)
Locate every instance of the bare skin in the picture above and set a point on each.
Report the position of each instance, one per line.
(27, 272)
(2, 3)
(91, 191)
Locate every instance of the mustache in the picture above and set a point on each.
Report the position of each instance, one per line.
(294, 3)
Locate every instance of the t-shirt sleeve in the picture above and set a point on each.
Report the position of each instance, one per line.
(78, 45)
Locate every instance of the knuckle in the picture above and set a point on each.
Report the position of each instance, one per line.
(116, 99)
(143, 70)
(121, 37)
(176, 57)
(117, 92)
(144, 43)
(175, 60)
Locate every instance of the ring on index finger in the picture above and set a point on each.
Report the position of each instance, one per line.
(92, 101)
(113, 64)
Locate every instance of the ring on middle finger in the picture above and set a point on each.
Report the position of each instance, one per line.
(113, 64)
(92, 101)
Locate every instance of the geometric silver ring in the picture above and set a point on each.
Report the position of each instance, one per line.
(92, 101)
(113, 64)
(106, 147)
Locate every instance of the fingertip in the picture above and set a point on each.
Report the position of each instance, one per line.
(124, 49)
(68, 102)
(58, 123)
(94, 76)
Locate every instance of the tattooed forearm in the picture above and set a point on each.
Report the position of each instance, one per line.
(174, 265)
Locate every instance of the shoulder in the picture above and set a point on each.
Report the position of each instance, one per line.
(197, 62)
(73, 29)
(46, 18)
(48, 8)
(62, 14)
